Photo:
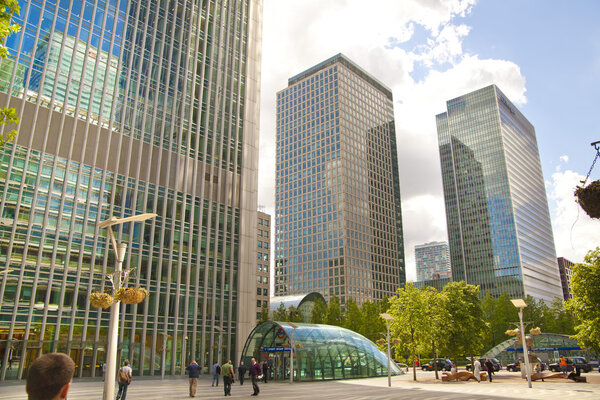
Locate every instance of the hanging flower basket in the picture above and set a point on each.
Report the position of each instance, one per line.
(101, 300)
(131, 295)
(589, 198)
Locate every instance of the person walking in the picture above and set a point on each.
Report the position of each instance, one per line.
(265, 371)
(216, 370)
(193, 373)
(254, 374)
(477, 370)
(227, 370)
(241, 372)
(124, 379)
(490, 368)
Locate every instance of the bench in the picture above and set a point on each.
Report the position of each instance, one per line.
(462, 376)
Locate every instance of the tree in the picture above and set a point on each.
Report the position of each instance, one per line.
(294, 314)
(280, 314)
(352, 316)
(585, 287)
(498, 313)
(264, 314)
(334, 312)
(372, 325)
(319, 312)
(558, 319)
(411, 322)
(8, 8)
(465, 324)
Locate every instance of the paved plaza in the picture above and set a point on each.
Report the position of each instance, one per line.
(506, 386)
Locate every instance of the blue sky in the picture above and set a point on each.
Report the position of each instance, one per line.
(544, 55)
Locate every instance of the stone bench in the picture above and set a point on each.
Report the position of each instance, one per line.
(462, 376)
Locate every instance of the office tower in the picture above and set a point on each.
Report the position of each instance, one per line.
(432, 261)
(565, 268)
(338, 217)
(263, 259)
(499, 228)
(130, 107)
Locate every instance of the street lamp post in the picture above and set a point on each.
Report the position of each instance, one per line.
(294, 326)
(520, 304)
(388, 319)
(113, 327)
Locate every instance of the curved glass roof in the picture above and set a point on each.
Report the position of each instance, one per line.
(541, 342)
(303, 302)
(321, 352)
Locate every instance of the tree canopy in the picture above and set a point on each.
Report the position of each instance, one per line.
(8, 8)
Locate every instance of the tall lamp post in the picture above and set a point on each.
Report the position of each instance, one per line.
(388, 319)
(113, 327)
(294, 326)
(520, 304)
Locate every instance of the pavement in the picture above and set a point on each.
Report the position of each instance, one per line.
(506, 385)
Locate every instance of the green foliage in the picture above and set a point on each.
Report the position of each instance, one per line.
(7, 9)
(280, 313)
(464, 319)
(264, 314)
(334, 312)
(352, 316)
(585, 287)
(498, 313)
(319, 312)
(294, 314)
(372, 325)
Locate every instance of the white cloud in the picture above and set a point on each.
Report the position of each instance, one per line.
(575, 233)
(300, 34)
(564, 159)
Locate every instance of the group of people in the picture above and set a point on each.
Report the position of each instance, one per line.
(488, 365)
(227, 371)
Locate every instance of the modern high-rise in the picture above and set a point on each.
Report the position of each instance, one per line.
(130, 107)
(432, 259)
(338, 216)
(565, 268)
(499, 229)
(263, 262)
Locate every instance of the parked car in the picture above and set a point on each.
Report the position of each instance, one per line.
(516, 366)
(495, 361)
(572, 363)
(442, 364)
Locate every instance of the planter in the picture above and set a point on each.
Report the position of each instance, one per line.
(131, 295)
(589, 198)
(101, 300)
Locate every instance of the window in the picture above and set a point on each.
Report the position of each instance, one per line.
(265, 292)
(258, 303)
(258, 291)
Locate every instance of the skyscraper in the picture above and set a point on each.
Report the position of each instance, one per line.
(565, 268)
(338, 217)
(130, 107)
(263, 262)
(432, 258)
(499, 228)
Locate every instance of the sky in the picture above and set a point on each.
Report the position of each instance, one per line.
(543, 54)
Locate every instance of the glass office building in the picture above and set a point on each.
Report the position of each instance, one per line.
(432, 258)
(128, 107)
(338, 216)
(499, 228)
(321, 352)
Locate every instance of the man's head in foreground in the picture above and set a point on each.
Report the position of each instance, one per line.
(49, 377)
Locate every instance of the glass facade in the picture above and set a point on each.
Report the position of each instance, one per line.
(129, 107)
(304, 303)
(338, 216)
(322, 352)
(432, 258)
(499, 228)
(263, 262)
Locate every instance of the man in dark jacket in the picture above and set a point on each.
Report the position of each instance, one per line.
(265, 371)
(490, 368)
(193, 373)
(255, 372)
(241, 372)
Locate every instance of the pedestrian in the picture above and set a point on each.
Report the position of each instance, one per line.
(124, 379)
(563, 365)
(453, 369)
(227, 370)
(216, 368)
(477, 370)
(490, 368)
(49, 377)
(103, 371)
(265, 371)
(241, 372)
(193, 373)
(255, 372)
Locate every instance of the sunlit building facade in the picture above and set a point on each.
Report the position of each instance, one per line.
(263, 263)
(338, 216)
(432, 261)
(499, 229)
(130, 107)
